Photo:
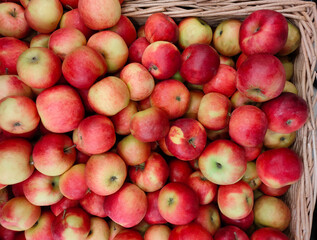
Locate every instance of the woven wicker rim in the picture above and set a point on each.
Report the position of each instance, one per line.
(301, 198)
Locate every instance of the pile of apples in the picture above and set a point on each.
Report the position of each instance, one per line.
(111, 130)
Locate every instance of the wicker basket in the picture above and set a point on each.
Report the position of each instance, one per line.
(301, 197)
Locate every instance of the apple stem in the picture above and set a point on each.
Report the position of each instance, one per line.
(7, 71)
(64, 213)
(31, 161)
(191, 142)
(69, 7)
(68, 148)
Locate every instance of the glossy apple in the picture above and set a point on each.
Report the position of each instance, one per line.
(230, 232)
(190, 231)
(179, 170)
(137, 48)
(92, 203)
(209, 218)
(153, 215)
(266, 233)
(125, 29)
(128, 234)
(274, 192)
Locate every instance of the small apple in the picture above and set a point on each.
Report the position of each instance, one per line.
(209, 218)
(238, 100)
(194, 102)
(137, 48)
(293, 40)
(227, 61)
(92, 203)
(179, 170)
(290, 87)
(40, 40)
(153, 215)
(251, 176)
(190, 231)
(99, 229)
(278, 140)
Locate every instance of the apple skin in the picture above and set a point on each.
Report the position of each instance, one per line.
(153, 215)
(94, 135)
(194, 30)
(151, 175)
(227, 61)
(125, 29)
(289, 71)
(55, 104)
(72, 19)
(178, 203)
(194, 102)
(251, 176)
(292, 42)
(288, 167)
(11, 85)
(122, 119)
(18, 115)
(205, 190)
(7, 234)
(278, 140)
(243, 121)
(242, 57)
(83, 66)
(157, 232)
(39, 67)
(4, 196)
(236, 200)
(223, 82)
(137, 48)
(63, 204)
(223, 162)
(172, 96)
(274, 192)
(40, 40)
(252, 153)
(144, 104)
(141, 31)
(70, 3)
(179, 170)
(65, 40)
(226, 37)
(142, 123)
(286, 113)
(15, 162)
(243, 223)
(127, 206)
(105, 173)
(230, 232)
(18, 214)
(13, 23)
(271, 212)
(43, 16)
(261, 77)
(73, 223)
(109, 96)
(139, 81)
(162, 59)
(238, 100)
(92, 203)
(267, 233)
(209, 218)
(41, 230)
(218, 134)
(128, 234)
(42, 190)
(101, 14)
(155, 32)
(190, 231)
(200, 63)
(99, 229)
(263, 31)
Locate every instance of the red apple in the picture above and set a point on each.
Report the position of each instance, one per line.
(179, 170)
(137, 48)
(267, 233)
(128, 234)
(7, 234)
(125, 29)
(252, 153)
(194, 102)
(11, 85)
(122, 119)
(263, 31)
(243, 223)
(157, 232)
(230, 232)
(209, 218)
(63, 204)
(153, 215)
(144, 104)
(17, 189)
(242, 57)
(93, 203)
(200, 63)
(190, 231)
(274, 192)
(141, 31)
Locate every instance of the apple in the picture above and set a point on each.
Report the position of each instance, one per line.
(55, 104)
(82, 66)
(128, 234)
(204, 189)
(15, 163)
(63, 204)
(109, 96)
(243, 121)
(125, 29)
(230, 232)
(293, 40)
(155, 32)
(144, 104)
(72, 19)
(242, 57)
(141, 31)
(137, 48)
(278, 140)
(267, 233)
(218, 134)
(274, 192)
(223, 82)
(100, 14)
(94, 135)
(7, 234)
(18, 214)
(190, 231)
(162, 59)
(172, 96)
(92, 203)
(105, 173)
(65, 40)
(252, 153)
(193, 30)
(223, 162)
(243, 223)
(194, 102)
(157, 232)
(127, 206)
(115, 228)
(72, 223)
(290, 87)
(186, 139)
(112, 47)
(261, 77)
(142, 123)
(288, 167)
(178, 204)
(286, 113)
(251, 176)
(99, 229)
(72, 183)
(11, 85)
(43, 15)
(209, 218)
(179, 170)
(238, 100)
(139, 81)
(271, 212)
(226, 37)
(163, 147)
(42, 190)
(40, 40)
(13, 23)
(152, 215)
(141, 227)
(200, 63)
(288, 66)
(42, 228)
(263, 31)
(227, 61)
(235, 201)
(4, 196)
(122, 119)
(17, 189)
